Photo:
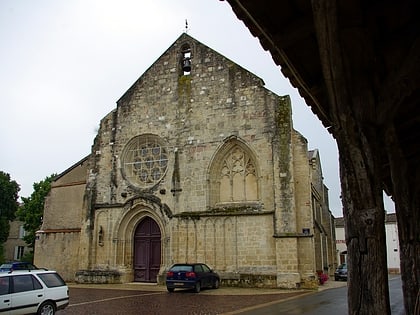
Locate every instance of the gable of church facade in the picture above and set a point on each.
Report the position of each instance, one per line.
(198, 165)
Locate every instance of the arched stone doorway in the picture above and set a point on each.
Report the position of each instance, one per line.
(147, 251)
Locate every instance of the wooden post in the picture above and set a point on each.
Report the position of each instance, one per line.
(350, 95)
(408, 218)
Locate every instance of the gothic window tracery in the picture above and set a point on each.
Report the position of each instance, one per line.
(238, 181)
(145, 161)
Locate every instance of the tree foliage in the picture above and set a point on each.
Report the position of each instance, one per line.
(32, 209)
(8, 203)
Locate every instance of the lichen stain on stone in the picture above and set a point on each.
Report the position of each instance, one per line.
(184, 86)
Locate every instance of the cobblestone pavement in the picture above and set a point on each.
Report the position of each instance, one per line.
(135, 298)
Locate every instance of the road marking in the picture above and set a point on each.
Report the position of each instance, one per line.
(257, 306)
(114, 298)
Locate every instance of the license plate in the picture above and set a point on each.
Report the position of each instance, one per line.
(179, 283)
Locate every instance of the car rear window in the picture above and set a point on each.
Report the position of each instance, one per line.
(52, 280)
(182, 268)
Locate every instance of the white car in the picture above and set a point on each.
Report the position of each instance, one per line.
(32, 292)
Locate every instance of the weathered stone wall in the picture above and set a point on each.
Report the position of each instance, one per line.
(58, 251)
(324, 236)
(302, 184)
(195, 115)
(198, 119)
(305, 224)
(241, 244)
(66, 198)
(331, 244)
(232, 245)
(57, 244)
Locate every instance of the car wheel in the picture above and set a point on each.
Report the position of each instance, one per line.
(216, 284)
(170, 289)
(47, 308)
(197, 287)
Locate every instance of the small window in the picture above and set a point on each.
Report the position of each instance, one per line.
(198, 268)
(4, 285)
(52, 280)
(22, 232)
(19, 250)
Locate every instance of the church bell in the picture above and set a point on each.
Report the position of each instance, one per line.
(186, 64)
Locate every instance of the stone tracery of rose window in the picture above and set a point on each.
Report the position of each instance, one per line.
(145, 161)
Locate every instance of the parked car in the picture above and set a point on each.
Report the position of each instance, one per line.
(191, 276)
(341, 272)
(32, 292)
(17, 265)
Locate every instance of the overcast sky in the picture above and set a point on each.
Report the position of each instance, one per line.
(65, 63)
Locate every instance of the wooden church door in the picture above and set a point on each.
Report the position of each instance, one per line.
(147, 257)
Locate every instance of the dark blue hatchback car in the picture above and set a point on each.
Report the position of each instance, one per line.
(341, 273)
(191, 276)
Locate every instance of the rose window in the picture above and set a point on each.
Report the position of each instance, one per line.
(145, 161)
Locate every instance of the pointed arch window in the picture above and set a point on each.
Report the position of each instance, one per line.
(236, 176)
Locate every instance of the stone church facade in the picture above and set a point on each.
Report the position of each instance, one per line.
(198, 162)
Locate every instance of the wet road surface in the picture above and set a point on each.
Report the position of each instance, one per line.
(331, 299)
(108, 301)
(328, 302)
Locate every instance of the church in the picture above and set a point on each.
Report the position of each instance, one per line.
(198, 162)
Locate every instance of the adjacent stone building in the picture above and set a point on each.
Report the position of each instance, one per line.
(323, 220)
(198, 162)
(15, 247)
